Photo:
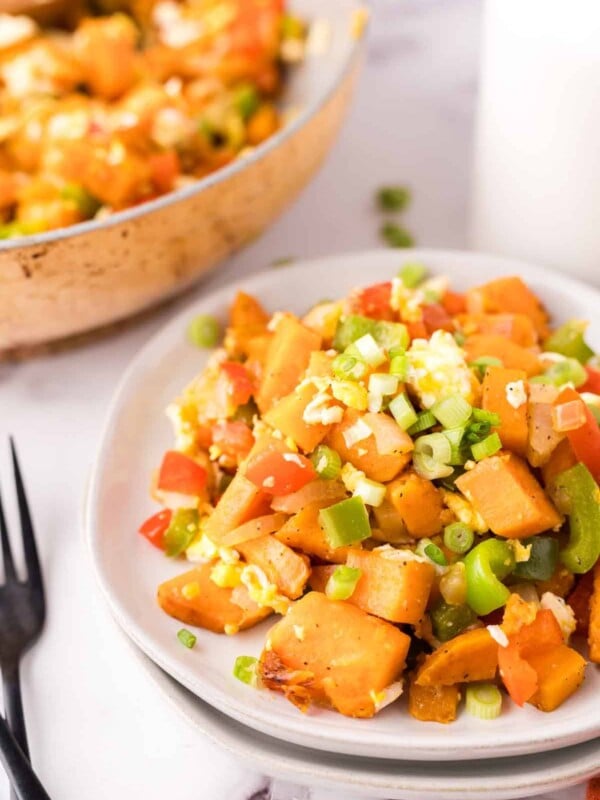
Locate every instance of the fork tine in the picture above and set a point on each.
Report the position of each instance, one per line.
(9, 565)
(29, 547)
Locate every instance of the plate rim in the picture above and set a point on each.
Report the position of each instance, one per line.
(552, 738)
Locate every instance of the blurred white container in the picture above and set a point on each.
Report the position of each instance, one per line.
(536, 183)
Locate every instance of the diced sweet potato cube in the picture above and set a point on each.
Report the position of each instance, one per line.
(511, 295)
(194, 599)
(287, 359)
(364, 454)
(510, 354)
(419, 503)
(433, 703)
(304, 532)
(561, 459)
(286, 569)
(241, 501)
(470, 656)
(319, 576)
(332, 653)
(501, 392)
(516, 327)
(594, 626)
(389, 588)
(506, 494)
(560, 672)
(287, 416)
(580, 600)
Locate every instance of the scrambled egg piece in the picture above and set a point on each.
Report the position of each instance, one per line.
(437, 369)
(263, 593)
(464, 511)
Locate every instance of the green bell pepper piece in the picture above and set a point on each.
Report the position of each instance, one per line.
(448, 621)
(542, 559)
(568, 341)
(181, 531)
(578, 496)
(346, 522)
(486, 566)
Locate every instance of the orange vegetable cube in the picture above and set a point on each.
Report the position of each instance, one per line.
(500, 394)
(304, 532)
(240, 502)
(419, 503)
(560, 672)
(470, 656)
(506, 494)
(287, 416)
(510, 354)
(332, 653)
(594, 625)
(286, 569)
(511, 295)
(194, 599)
(433, 703)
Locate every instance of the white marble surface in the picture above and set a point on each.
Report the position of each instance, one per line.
(97, 728)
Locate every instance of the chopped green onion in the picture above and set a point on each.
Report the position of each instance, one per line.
(372, 492)
(399, 367)
(403, 411)
(367, 350)
(481, 364)
(483, 700)
(342, 583)
(326, 462)
(346, 522)
(477, 431)
(568, 341)
(425, 420)
(283, 261)
(452, 412)
(383, 384)
(182, 529)
(347, 367)
(393, 198)
(567, 371)
(432, 455)
(481, 415)
(459, 338)
(542, 560)
(246, 100)
(412, 274)
(490, 445)
(186, 638)
(450, 620)
(430, 550)
(458, 537)
(396, 236)
(86, 203)
(458, 450)
(204, 331)
(245, 670)
(351, 328)
(392, 336)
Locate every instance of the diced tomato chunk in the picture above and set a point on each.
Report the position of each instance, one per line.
(164, 170)
(240, 382)
(374, 301)
(233, 438)
(155, 527)
(593, 381)
(435, 317)
(280, 473)
(454, 303)
(180, 473)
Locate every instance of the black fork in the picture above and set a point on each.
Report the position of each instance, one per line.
(22, 614)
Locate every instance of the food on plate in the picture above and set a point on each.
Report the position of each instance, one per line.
(131, 104)
(421, 512)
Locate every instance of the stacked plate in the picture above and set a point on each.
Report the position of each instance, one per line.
(523, 752)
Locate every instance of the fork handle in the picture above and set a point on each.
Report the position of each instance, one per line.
(22, 777)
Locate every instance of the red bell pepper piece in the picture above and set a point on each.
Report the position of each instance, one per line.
(593, 381)
(585, 441)
(155, 527)
(180, 473)
(435, 317)
(374, 301)
(593, 789)
(280, 473)
(241, 384)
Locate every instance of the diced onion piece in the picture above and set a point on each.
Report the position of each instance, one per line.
(569, 416)
(425, 420)
(483, 700)
(342, 583)
(488, 447)
(403, 411)
(452, 412)
(356, 433)
(383, 384)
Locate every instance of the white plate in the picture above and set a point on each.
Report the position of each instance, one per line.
(490, 779)
(137, 434)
